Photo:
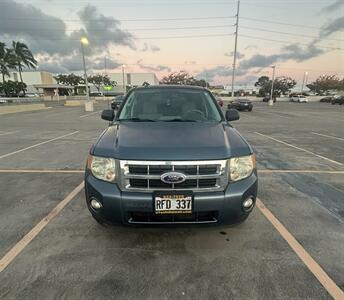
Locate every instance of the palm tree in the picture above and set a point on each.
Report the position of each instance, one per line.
(23, 57)
(7, 60)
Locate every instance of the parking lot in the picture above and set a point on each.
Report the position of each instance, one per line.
(52, 248)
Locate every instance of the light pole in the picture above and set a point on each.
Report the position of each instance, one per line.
(123, 81)
(271, 102)
(304, 81)
(88, 103)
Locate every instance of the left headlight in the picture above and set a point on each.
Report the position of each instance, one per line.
(241, 167)
(103, 168)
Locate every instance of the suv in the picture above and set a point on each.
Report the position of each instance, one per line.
(170, 156)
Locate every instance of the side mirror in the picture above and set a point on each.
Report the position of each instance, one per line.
(232, 115)
(108, 115)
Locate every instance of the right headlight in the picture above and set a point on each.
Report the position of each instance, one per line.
(103, 168)
(241, 167)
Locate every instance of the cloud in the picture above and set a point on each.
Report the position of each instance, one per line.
(231, 54)
(47, 34)
(260, 61)
(74, 63)
(334, 6)
(152, 48)
(103, 30)
(332, 27)
(214, 72)
(251, 47)
(155, 68)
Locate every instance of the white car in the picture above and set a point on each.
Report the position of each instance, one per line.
(299, 98)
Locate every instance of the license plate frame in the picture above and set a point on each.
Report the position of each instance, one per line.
(186, 197)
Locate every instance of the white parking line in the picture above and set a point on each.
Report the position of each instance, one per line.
(19, 247)
(90, 114)
(10, 132)
(269, 171)
(301, 149)
(329, 136)
(36, 145)
(332, 288)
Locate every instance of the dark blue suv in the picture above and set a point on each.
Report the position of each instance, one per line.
(170, 156)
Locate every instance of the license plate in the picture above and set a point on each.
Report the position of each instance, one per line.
(172, 203)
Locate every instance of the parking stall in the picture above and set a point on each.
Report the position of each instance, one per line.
(290, 247)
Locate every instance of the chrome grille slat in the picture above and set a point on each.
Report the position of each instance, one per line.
(215, 176)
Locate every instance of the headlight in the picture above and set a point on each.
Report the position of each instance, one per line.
(241, 167)
(103, 168)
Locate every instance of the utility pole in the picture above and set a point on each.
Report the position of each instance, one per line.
(272, 85)
(235, 46)
(304, 81)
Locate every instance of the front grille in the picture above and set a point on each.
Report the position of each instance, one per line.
(200, 175)
(150, 218)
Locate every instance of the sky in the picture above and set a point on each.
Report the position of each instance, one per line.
(196, 36)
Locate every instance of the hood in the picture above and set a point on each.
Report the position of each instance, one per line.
(171, 141)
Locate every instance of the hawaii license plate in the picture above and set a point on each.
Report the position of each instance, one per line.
(165, 203)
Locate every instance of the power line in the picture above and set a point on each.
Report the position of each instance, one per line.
(53, 19)
(140, 38)
(280, 23)
(285, 42)
(288, 33)
(128, 29)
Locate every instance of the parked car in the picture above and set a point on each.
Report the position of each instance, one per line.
(170, 156)
(96, 94)
(219, 101)
(338, 100)
(327, 99)
(117, 102)
(241, 104)
(299, 99)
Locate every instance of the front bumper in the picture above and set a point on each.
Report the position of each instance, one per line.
(222, 207)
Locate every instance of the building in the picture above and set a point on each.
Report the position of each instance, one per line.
(32, 78)
(131, 80)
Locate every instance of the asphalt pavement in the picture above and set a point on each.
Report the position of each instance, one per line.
(51, 248)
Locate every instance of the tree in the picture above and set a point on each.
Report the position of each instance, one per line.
(7, 60)
(183, 78)
(23, 58)
(282, 85)
(326, 83)
(99, 80)
(71, 80)
(12, 88)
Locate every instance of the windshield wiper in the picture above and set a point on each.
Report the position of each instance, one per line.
(137, 120)
(180, 120)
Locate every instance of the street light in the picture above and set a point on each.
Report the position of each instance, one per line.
(88, 105)
(304, 81)
(123, 81)
(271, 102)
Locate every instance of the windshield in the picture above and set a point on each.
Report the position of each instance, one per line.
(170, 105)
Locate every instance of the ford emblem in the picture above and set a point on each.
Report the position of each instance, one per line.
(173, 177)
